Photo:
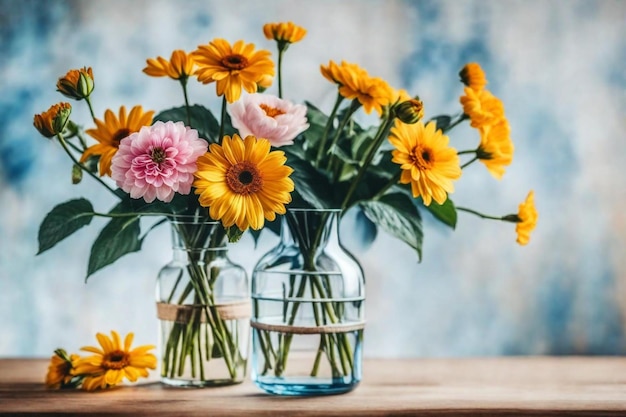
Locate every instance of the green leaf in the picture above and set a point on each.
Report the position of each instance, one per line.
(365, 230)
(313, 135)
(234, 234)
(201, 119)
(315, 116)
(62, 221)
(312, 188)
(397, 215)
(119, 237)
(445, 213)
(443, 121)
(361, 143)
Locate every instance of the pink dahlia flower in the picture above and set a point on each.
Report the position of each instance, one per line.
(158, 161)
(269, 117)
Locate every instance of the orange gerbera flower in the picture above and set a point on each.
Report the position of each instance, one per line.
(233, 68)
(180, 66)
(496, 147)
(60, 370)
(111, 131)
(528, 219)
(287, 32)
(473, 76)
(482, 107)
(355, 83)
(426, 160)
(243, 183)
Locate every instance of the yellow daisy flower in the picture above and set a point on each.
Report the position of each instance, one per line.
(528, 219)
(180, 66)
(341, 74)
(287, 32)
(53, 120)
(496, 147)
(77, 83)
(355, 83)
(482, 107)
(60, 370)
(243, 183)
(426, 160)
(114, 361)
(111, 131)
(473, 76)
(232, 68)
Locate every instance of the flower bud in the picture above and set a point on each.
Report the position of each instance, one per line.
(410, 111)
(77, 84)
(264, 83)
(53, 121)
(513, 218)
(473, 76)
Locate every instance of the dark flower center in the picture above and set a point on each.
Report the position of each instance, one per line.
(120, 134)
(158, 155)
(422, 158)
(244, 178)
(234, 61)
(116, 359)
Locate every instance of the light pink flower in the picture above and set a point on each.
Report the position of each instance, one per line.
(158, 161)
(269, 117)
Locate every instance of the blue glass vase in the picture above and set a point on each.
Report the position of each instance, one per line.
(308, 296)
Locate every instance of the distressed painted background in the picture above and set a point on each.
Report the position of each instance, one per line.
(559, 67)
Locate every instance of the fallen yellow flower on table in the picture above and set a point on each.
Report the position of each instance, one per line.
(107, 367)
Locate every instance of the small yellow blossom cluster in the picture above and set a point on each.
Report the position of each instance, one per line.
(355, 83)
(486, 113)
(107, 367)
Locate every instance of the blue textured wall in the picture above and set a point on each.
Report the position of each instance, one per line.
(557, 65)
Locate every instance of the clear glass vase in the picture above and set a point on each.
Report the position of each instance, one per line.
(203, 306)
(308, 297)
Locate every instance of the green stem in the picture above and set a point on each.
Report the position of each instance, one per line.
(260, 334)
(280, 66)
(318, 357)
(460, 119)
(481, 215)
(329, 124)
(183, 83)
(84, 168)
(392, 181)
(88, 101)
(474, 159)
(284, 350)
(222, 120)
(381, 135)
(76, 148)
(354, 106)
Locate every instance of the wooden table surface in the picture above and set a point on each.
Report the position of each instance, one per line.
(508, 386)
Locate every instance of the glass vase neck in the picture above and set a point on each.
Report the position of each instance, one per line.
(312, 230)
(190, 233)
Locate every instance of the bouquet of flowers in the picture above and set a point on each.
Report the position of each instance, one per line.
(186, 161)
(108, 365)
